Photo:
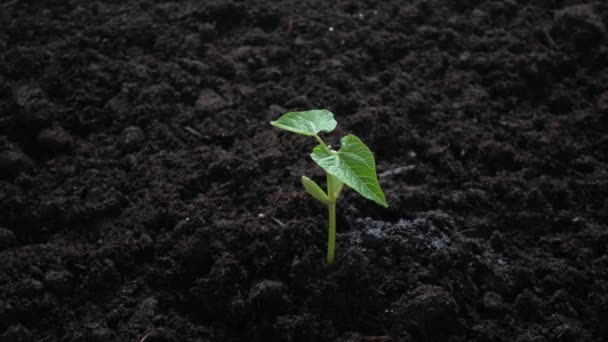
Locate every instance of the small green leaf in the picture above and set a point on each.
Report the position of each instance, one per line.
(354, 165)
(314, 190)
(307, 123)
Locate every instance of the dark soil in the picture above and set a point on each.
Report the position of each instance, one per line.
(145, 197)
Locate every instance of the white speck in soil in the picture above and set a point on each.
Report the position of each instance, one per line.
(439, 243)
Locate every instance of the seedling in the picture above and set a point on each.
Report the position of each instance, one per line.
(353, 164)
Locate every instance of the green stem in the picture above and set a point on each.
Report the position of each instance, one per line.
(331, 206)
(320, 141)
(331, 233)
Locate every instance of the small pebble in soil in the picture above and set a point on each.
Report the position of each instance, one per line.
(101, 334)
(131, 139)
(497, 241)
(160, 335)
(529, 307)
(568, 332)
(7, 238)
(602, 103)
(207, 32)
(26, 93)
(417, 102)
(298, 102)
(29, 287)
(430, 309)
(55, 138)
(373, 238)
(145, 311)
(36, 110)
(192, 42)
(578, 25)
(493, 303)
(5, 311)
(268, 296)
(16, 333)
(275, 110)
(13, 163)
(210, 101)
(58, 281)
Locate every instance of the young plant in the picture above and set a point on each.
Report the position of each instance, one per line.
(353, 164)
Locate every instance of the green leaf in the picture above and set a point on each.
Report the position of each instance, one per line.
(307, 123)
(354, 165)
(314, 190)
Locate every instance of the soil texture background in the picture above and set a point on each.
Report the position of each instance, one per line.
(145, 197)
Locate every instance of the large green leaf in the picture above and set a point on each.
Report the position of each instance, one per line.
(354, 165)
(307, 123)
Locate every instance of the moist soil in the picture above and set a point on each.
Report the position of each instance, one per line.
(145, 197)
